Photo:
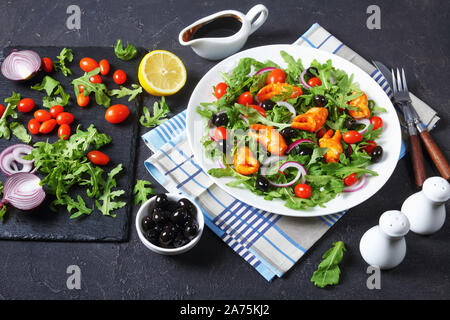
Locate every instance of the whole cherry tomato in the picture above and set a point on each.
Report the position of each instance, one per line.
(34, 126)
(47, 64)
(350, 180)
(117, 113)
(96, 78)
(65, 118)
(220, 133)
(82, 100)
(25, 105)
(55, 110)
(352, 136)
(302, 190)
(245, 98)
(47, 126)
(80, 88)
(369, 147)
(64, 131)
(42, 115)
(377, 122)
(220, 89)
(104, 67)
(98, 158)
(314, 81)
(88, 64)
(120, 76)
(2, 110)
(277, 75)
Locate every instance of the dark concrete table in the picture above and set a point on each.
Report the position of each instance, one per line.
(414, 34)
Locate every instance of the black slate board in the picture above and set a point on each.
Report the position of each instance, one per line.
(43, 223)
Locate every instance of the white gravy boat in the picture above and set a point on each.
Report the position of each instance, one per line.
(219, 48)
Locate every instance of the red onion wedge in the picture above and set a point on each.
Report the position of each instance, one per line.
(302, 79)
(296, 143)
(300, 174)
(365, 122)
(288, 106)
(23, 191)
(361, 183)
(11, 159)
(261, 71)
(21, 65)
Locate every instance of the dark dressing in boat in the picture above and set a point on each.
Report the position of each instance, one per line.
(220, 27)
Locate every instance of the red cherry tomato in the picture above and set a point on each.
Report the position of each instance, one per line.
(276, 76)
(98, 158)
(80, 88)
(47, 126)
(220, 90)
(302, 190)
(314, 81)
(47, 64)
(220, 133)
(120, 76)
(2, 110)
(42, 115)
(259, 109)
(55, 110)
(34, 126)
(377, 122)
(88, 64)
(369, 147)
(245, 98)
(117, 113)
(82, 100)
(350, 180)
(64, 131)
(65, 118)
(104, 67)
(352, 136)
(96, 78)
(25, 105)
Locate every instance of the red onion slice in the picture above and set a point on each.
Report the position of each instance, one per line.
(288, 106)
(21, 65)
(358, 185)
(301, 173)
(211, 134)
(365, 122)
(261, 71)
(9, 163)
(23, 191)
(20, 151)
(297, 142)
(302, 79)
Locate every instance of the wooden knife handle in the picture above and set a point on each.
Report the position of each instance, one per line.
(436, 154)
(417, 160)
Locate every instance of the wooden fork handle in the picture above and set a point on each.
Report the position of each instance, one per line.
(436, 155)
(417, 160)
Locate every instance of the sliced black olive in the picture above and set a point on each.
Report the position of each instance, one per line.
(376, 153)
(161, 201)
(262, 184)
(350, 124)
(190, 230)
(320, 101)
(221, 120)
(312, 72)
(268, 105)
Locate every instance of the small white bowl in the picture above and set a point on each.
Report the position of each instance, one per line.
(148, 206)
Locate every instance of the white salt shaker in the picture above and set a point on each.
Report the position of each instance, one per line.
(426, 209)
(384, 245)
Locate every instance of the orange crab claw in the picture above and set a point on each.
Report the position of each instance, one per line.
(362, 104)
(333, 143)
(269, 138)
(245, 162)
(312, 120)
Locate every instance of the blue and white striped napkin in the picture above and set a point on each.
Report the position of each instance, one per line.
(270, 243)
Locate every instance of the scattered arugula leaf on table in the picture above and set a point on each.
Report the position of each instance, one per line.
(65, 56)
(54, 97)
(142, 190)
(123, 91)
(20, 132)
(79, 205)
(99, 89)
(160, 112)
(107, 201)
(124, 54)
(5, 129)
(328, 271)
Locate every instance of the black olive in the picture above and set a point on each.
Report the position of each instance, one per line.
(301, 150)
(174, 227)
(179, 216)
(320, 101)
(268, 105)
(221, 120)
(153, 234)
(180, 240)
(350, 124)
(312, 72)
(288, 133)
(158, 215)
(213, 118)
(186, 204)
(190, 230)
(376, 153)
(262, 184)
(161, 201)
(147, 223)
(166, 236)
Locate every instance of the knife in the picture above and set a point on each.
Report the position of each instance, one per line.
(436, 154)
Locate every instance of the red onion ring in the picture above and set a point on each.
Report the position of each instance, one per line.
(302, 79)
(301, 173)
(288, 106)
(21, 65)
(20, 151)
(221, 165)
(358, 185)
(364, 121)
(297, 142)
(8, 161)
(23, 191)
(264, 70)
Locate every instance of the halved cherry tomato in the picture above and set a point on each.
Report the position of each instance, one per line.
(117, 113)
(96, 78)
(259, 109)
(98, 158)
(64, 131)
(104, 67)
(80, 88)
(42, 115)
(82, 100)
(34, 126)
(55, 110)
(2, 110)
(377, 122)
(369, 147)
(245, 98)
(88, 64)
(277, 75)
(220, 90)
(351, 179)
(47, 64)
(220, 133)
(314, 81)
(302, 190)
(65, 118)
(352, 136)
(120, 76)
(25, 105)
(47, 126)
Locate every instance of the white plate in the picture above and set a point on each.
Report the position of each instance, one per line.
(390, 139)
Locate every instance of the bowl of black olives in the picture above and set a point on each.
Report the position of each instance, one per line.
(169, 224)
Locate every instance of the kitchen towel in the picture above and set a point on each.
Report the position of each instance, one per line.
(270, 243)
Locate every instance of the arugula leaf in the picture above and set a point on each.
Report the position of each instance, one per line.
(255, 117)
(100, 90)
(123, 91)
(294, 69)
(20, 132)
(3, 212)
(160, 112)
(48, 84)
(141, 191)
(124, 54)
(79, 205)
(65, 56)
(106, 202)
(328, 271)
(12, 101)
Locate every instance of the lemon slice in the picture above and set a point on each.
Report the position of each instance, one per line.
(161, 73)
